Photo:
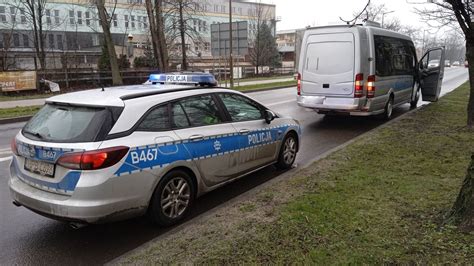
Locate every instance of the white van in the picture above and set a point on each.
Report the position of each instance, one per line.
(364, 70)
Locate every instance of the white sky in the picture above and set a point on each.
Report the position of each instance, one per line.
(301, 13)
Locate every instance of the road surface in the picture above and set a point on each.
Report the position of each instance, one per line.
(27, 238)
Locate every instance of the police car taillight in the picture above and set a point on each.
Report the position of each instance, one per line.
(13, 146)
(93, 160)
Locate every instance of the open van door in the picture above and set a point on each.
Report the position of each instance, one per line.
(431, 73)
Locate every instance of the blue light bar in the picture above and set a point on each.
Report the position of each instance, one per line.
(202, 79)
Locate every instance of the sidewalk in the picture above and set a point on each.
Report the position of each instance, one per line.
(34, 102)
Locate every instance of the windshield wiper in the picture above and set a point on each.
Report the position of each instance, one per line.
(36, 134)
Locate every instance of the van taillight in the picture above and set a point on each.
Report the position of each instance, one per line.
(359, 85)
(371, 86)
(298, 84)
(93, 160)
(13, 146)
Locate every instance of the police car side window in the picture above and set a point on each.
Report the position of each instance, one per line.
(156, 120)
(199, 110)
(241, 108)
(180, 120)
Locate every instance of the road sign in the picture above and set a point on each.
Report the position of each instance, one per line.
(220, 39)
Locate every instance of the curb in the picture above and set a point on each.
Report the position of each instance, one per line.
(287, 175)
(11, 120)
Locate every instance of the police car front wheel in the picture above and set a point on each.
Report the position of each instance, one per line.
(288, 151)
(172, 199)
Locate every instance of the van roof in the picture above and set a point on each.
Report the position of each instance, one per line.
(377, 29)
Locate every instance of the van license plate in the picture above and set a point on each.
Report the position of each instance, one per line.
(38, 167)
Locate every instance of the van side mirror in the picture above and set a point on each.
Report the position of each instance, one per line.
(269, 116)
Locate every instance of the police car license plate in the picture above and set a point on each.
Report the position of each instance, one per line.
(38, 167)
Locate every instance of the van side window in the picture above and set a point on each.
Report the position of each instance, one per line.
(393, 56)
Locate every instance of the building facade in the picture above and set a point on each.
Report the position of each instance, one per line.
(72, 30)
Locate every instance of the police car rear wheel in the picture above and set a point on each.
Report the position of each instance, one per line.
(287, 155)
(172, 199)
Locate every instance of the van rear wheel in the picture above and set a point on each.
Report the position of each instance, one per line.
(388, 109)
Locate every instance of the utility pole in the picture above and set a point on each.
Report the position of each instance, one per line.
(231, 64)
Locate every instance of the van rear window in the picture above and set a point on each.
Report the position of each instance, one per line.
(330, 57)
(69, 124)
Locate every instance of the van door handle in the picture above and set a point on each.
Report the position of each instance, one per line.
(244, 131)
(196, 137)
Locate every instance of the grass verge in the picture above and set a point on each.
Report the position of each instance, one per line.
(266, 85)
(382, 199)
(18, 111)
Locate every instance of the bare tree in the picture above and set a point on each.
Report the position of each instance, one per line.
(182, 16)
(104, 19)
(157, 30)
(35, 10)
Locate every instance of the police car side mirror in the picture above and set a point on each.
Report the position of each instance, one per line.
(269, 116)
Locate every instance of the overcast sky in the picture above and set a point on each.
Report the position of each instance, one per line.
(301, 13)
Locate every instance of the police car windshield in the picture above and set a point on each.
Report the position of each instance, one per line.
(57, 123)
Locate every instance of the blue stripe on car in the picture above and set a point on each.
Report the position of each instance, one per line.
(156, 156)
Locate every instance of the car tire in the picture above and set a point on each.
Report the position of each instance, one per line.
(387, 115)
(172, 198)
(414, 102)
(288, 150)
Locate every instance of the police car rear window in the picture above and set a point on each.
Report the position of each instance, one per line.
(58, 123)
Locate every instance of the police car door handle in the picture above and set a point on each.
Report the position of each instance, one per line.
(244, 131)
(196, 137)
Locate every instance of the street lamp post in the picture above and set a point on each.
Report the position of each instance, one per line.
(231, 64)
(130, 45)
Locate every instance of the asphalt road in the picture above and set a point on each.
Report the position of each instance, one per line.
(27, 238)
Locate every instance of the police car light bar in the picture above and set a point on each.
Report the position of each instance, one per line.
(202, 79)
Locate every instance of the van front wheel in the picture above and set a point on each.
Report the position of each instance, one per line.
(416, 97)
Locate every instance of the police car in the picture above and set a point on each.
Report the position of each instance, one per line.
(109, 154)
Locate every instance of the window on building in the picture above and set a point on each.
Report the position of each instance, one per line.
(51, 41)
(26, 40)
(48, 16)
(79, 17)
(216, 8)
(132, 18)
(223, 9)
(56, 17)
(3, 17)
(195, 22)
(126, 21)
(13, 14)
(207, 46)
(234, 9)
(71, 17)
(88, 18)
(115, 22)
(145, 22)
(240, 11)
(22, 16)
(16, 40)
(59, 40)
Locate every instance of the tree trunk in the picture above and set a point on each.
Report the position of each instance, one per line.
(470, 59)
(183, 37)
(104, 22)
(160, 27)
(462, 213)
(154, 32)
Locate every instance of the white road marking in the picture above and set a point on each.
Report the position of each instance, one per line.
(282, 102)
(6, 152)
(6, 159)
